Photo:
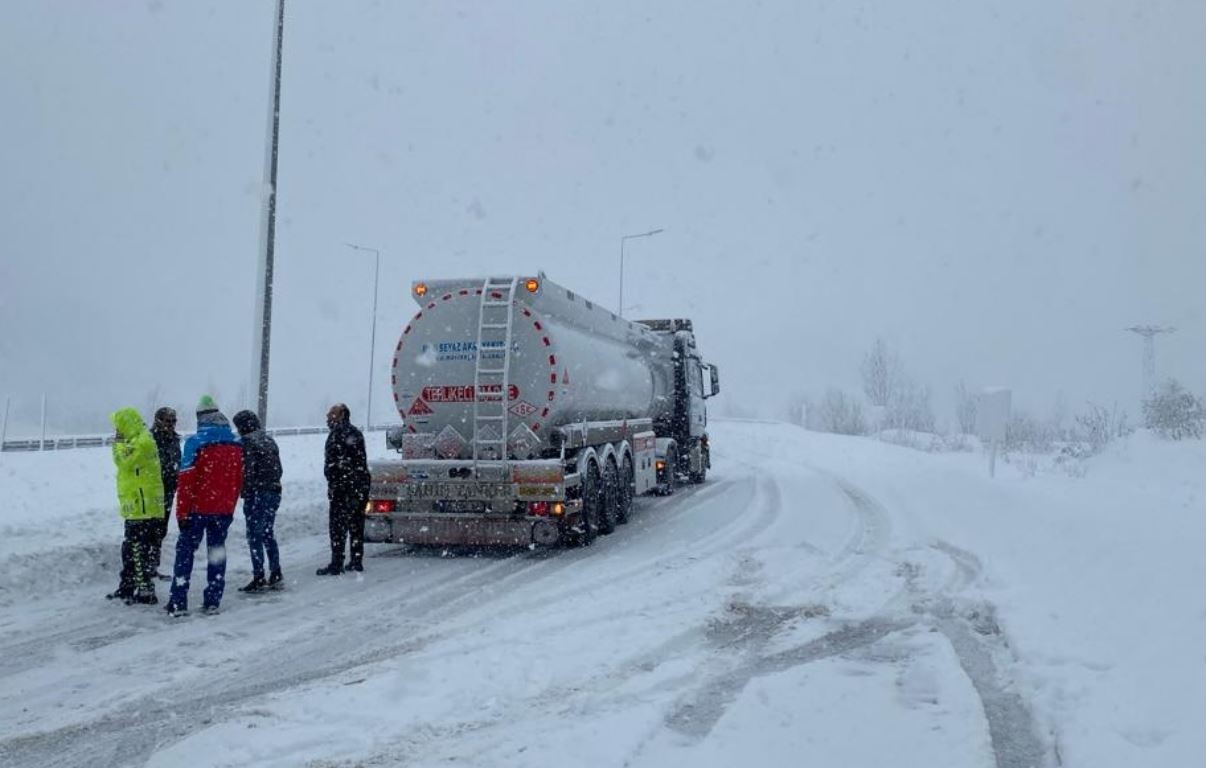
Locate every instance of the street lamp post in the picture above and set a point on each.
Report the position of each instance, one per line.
(368, 412)
(263, 294)
(623, 240)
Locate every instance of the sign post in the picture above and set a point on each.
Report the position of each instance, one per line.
(992, 417)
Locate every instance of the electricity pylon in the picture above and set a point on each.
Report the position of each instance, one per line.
(1149, 333)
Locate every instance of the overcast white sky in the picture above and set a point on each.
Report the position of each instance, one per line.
(997, 188)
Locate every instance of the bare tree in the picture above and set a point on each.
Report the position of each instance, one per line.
(1099, 425)
(840, 414)
(881, 373)
(909, 407)
(965, 409)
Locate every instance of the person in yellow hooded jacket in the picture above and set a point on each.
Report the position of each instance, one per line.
(140, 494)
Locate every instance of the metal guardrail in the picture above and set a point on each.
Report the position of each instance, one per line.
(63, 443)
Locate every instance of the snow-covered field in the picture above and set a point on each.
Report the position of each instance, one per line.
(820, 600)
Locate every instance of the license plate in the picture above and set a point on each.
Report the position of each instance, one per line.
(439, 491)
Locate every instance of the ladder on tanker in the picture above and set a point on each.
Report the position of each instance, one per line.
(492, 373)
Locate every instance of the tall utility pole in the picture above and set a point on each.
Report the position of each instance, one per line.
(263, 292)
(624, 240)
(368, 412)
(1149, 334)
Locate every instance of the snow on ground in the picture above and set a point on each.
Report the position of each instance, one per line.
(820, 600)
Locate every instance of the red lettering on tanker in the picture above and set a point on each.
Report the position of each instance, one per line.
(464, 394)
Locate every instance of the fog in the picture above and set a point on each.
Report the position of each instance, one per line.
(997, 189)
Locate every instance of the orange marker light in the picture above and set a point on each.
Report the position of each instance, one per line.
(420, 289)
(532, 285)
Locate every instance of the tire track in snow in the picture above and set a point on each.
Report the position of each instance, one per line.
(305, 657)
(112, 739)
(970, 628)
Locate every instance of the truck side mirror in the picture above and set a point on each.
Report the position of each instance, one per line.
(394, 437)
(715, 381)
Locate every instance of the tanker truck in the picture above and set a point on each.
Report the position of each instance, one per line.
(532, 416)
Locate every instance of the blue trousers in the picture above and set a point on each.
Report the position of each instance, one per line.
(259, 508)
(213, 529)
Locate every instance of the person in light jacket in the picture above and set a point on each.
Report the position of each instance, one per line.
(140, 494)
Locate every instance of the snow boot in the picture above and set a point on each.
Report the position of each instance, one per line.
(334, 569)
(356, 565)
(257, 584)
(120, 594)
(276, 580)
(211, 610)
(174, 611)
(145, 597)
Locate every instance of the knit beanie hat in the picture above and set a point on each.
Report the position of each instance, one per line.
(206, 405)
(208, 414)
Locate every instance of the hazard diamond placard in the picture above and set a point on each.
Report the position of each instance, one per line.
(419, 408)
(523, 409)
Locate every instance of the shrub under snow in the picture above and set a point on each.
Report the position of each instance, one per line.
(1174, 413)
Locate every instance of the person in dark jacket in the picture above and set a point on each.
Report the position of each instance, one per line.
(261, 499)
(167, 440)
(348, 480)
(211, 480)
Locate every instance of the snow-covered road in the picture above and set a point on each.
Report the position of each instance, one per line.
(819, 600)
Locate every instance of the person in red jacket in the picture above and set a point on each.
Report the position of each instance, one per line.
(211, 479)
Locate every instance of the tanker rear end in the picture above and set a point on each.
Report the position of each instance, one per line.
(528, 417)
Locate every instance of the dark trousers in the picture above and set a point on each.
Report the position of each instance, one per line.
(259, 509)
(161, 529)
(213, 529)
(136, 572)
(347, 522)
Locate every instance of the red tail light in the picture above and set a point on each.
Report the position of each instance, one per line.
(538, 508)
(382, 507)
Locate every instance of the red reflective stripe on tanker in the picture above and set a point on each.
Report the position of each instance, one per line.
(552, 394)
(431, 305)
(404, 332)
(538, 326)
(495, 295)
(552, 376)
(463, 292)
(544, 413)
(552, 359)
